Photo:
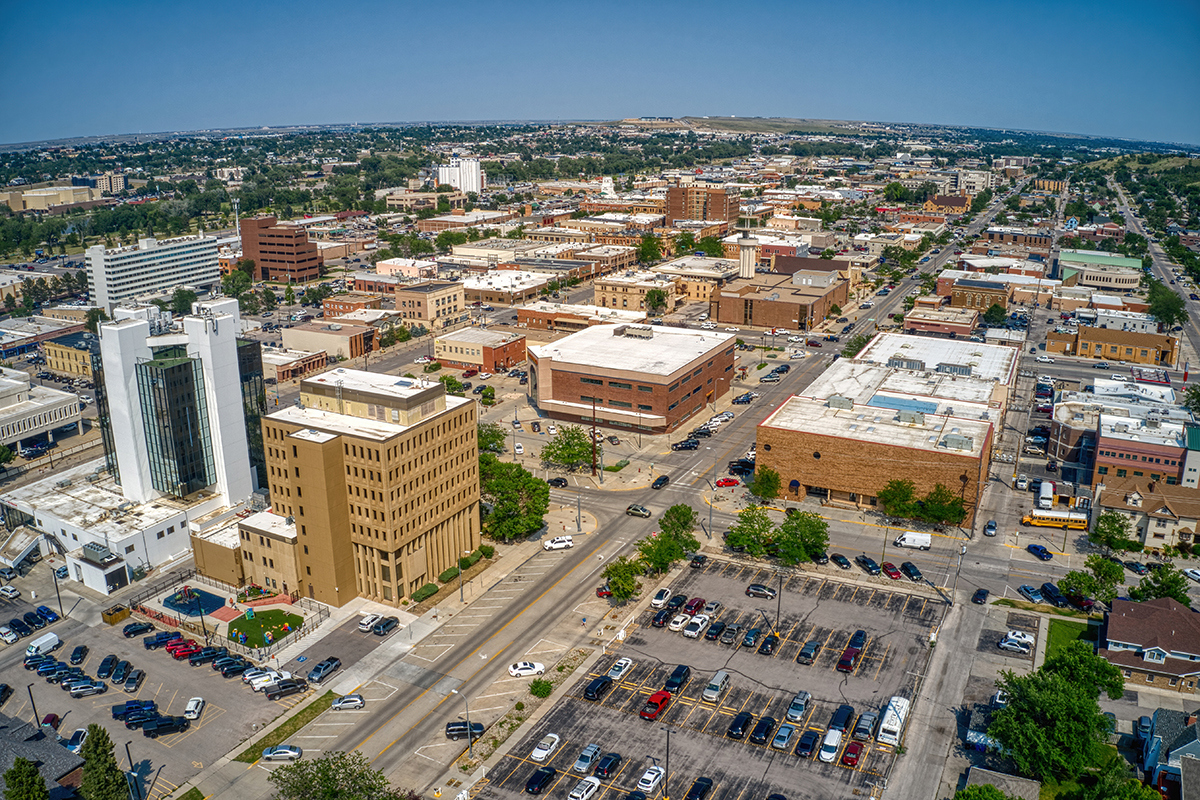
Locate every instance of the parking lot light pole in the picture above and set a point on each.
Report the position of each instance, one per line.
(460, 578)
(667, 774)
(470, 738)
(134, 783)
(56, 594)
(36, 720)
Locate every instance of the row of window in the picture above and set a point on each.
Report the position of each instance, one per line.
(1154, 476)
(1113, 350)
(1131, 457)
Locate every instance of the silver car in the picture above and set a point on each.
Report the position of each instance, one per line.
(350, 701)
(282, 752)
(587, 759)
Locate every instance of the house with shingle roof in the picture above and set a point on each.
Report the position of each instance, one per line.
(61, 769)
(1174, 738)
(1162, 514)
(1155, 643)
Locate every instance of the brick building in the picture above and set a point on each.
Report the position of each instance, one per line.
(71, 354)
(947, 204)
(284, 365)
(978, 294)
(280, 252)
(432, 304)
(635, 377)
(477, 348)
(702, 202)
(338, 304)
(1115, 345)
(948, 322)
(792, 302)
(1025, 237)
(336, 339)
(546, 316)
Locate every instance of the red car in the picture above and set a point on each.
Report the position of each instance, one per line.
(851, 755)
(813, 342)
(180, 653)
(470, 373)
(890, 570)
(656, 704)
(171, 647)
(694, 606)
(725, 483)
(603, 591)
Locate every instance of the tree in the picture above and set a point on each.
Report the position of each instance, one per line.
(1101, 580)
(899, 498)
(453, 385)
(752, 532)
(622, 577)
(995, 315)
(334, 776)
(268, 299)
(447, 239)
(246, 265)
(983, 792)
(102, 778)
(942, 505)
(181, 301)
(1165, 582)
(685, 243)
(678, 522)
(93, 318)
(801, 537)
(518, 500)
(1191, 395)
(24, 782)
(491, 438)
(1082, 668)
(711, 246)
(1113, 531)
(765, 484)
(673, 540)
(649, 249)
(289, 296)
(570, 449)
(853, 347)
(6, 455)
(1166, 306)
(235, 284)
(656, 301)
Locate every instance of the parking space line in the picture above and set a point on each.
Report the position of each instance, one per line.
(882, 658)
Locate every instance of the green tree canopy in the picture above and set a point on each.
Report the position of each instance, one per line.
(752, 531)
(899, 498)
(984, 792)
(712, 247)
(649, 250)
(679, 522)
(6, 455)
(623, 577)
(942, 505)
(93, 318)
(334, 776)
(685, 243)
(236, 283)
(1165, 582)
(1083, 669)
(1113, 531)
(801, 537)
(995, 315)
(1191, 399)
(102, 778)
(1100, 580)
(855, 345)
(1165, 305)
(289, 296)
(766, 483)
(518, 500)
(656, 301)
(570, 449)
(181, 301)
(673, 541)
(23, 782)
(491, 438)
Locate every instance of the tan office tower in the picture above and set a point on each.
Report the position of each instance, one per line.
(377, 478)
(702, 202)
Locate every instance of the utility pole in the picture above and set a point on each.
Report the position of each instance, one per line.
(593, 437)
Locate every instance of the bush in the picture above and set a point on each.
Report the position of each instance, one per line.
(466, 562)
(617, 467)
(428, 590)
(541, 688)
(448, 575)
(487, 550)
(519, 706)
(434, 367)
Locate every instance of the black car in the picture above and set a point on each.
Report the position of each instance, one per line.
(821, 558)
(284, 688)
(751, 637)
(120, 710)
(236, 668)
(739, 471)
(760, 591)
(206, 655)
(699, 560)
(768, 646)
(106, 667)
(137, 718)
(386, 626)
(1052, 595)
(701, 433)
(763, 731)
(809, 741)
(34, 620)
(911, 572)
(136, 629)
(121, 671)
(79, 654)
(165, 725)
(458, 729)
(660, 482)
(608, 765)
(679, 679)
(540, 779)
(980, 597)
(662, 618)
(33, 662)
(558, 483)
(221, 662)
(868, 564)
(714, 631)
(677, 602)
(858, 640)
(700, 789)
(840, 560)
(598, 688)
(20, 628)
(737, 728)
(686, 444)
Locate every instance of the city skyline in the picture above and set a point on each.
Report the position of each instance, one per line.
(1033, 68)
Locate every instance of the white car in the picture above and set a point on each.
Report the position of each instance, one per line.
(524, 669)
(519, 449)
(650, 780)
(696, 626)
(349, 703)
(9, 592)
(1021, 636)
(550, 429)
(423, 360)
(194, 707)
(1119, 378)
(708, 326)
(831, 745)
(1044, 360)
(254, 674)
(263, 681)
(795, 339)
(702, 317)
(1193, 573)
(367, 623)
(733, 330)
(545, 748)
(483, 376)
(585, 789)
(559, 543)
(660, 598)
(679, 622)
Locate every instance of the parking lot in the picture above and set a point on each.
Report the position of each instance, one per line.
(809, 608)
(232, 712)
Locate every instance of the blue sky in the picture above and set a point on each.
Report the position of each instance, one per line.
(1129, 69)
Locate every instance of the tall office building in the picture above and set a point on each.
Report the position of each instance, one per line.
(280, 252)
(150, 267)
(463, 174)
(701, 202)
(176, 427)
(374, 486)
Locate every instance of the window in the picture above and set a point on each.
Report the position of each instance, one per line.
(308, 570)
(593, 381)
(1121, 473)
(616, 385)
(645, 388)
(643, 407)
(129, 549)
(620, 404)
(162, 534)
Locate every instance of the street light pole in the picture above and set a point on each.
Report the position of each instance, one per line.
(578, 511)
(29, 688)
(667, 775)
(470, 738)
(133, 780)
(56, 594)
(460, 578)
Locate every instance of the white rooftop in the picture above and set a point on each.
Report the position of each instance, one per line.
(655, 350)
(934, 392)
(987, 361)
(280, 357)
(591, 312)
(479, 336)
(704, 266)
(507, 280)
(267, 522)
(634, 277)
(1003, 277)
(373, 382)
(1168, 433)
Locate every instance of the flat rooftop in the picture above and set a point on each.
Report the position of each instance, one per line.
(1167, 433)
(507, 280)
(17, 328)
(891, 387)
(937, 433)
(651, 349)
(273, 524)
(279, 357)
(321, 426)
(702, 266)
(987, 361)
(634, 277)
(1002, 277)
(480, 336)
(580, 310)
(371, 382)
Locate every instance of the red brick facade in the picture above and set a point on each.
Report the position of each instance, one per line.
(279, 252)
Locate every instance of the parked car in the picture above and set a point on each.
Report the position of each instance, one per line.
(809, 652)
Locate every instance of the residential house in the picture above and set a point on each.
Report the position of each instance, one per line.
(1155, 643)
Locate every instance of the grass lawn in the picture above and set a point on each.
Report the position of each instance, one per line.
(271, 620)
(192, 794)
(1063, 631)
(288, 729)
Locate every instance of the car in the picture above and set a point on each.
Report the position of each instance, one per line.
(1053, 595)
(88, 688)
(650, 779)
(323, 670)
(1014, 646)
(679, 622)
(732, 634)
(8, 573)
(46, 614)
(285, 687)
(694, 606)
(980, 597)
(282, 752)
(655, 705)
(798, 707)
(194, 708)
(830, 745)
(660, 598)
(634, 510)
(865, 728)
(725, 483)
(545, 748)
(1136, 567)
(1031, 594)
(121, 671)
(175, 644)
(585, 789)
(557, 483)
(559, 543)
(698, 560)
(587, 758)
(79, 654)
(1040, 551)
(890, 570)
(235, 668)
(1192, 573)
(715, 629)
(524, 669)
(368, 622)
(677, 602)
(662, 618)
(768, 645)
(851, 754)
(608, 766)
(75, 743)
(32, 619)
(9, 592)
(660, 482)
(620, 668)
(121, 710)
(349, 702)
(911, 572)
(107, 664)
(990, 528)
(809, 740)
(678, 679)
(761, 591)
(598, 688)
(1044, 360)
(1143, 728)
(764, 729)
(848, 661)
(20, 628)
(858, 640)
(540, 779)
(840, 560)
(809, 652)
(867, 564)
(696, 626)
(740, 724)
(134, 681)
(459, 728)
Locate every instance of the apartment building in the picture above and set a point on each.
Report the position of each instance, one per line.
(280, 251)
(628, 290)
(484, 350)
(432, 304)
(71, 355)
(701, 202)
(151, 267)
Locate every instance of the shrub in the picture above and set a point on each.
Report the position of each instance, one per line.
(434, 367)
(617, 467)
(541, 688)
(448, 575)
(465, 562)
(487, 550)
(428, 590)
(519, 706)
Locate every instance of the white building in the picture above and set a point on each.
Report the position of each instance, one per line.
(462, 173)
(151, 267)
(28, 411)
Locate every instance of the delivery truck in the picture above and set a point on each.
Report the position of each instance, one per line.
(915, 539)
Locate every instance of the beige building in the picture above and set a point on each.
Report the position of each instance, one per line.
(433, 304)
(627, 290)
(71, 355)
(697, 278)
(43, 199)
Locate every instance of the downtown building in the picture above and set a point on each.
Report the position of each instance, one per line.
(151, 267)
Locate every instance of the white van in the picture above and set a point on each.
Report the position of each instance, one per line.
(914, 539)
(712, 693)
(1046, 495)
(892, 725)
(43, 644)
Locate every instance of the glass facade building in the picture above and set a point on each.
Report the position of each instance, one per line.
(175, 417)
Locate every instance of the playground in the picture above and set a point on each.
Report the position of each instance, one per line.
(192, 602)
(263, 628)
